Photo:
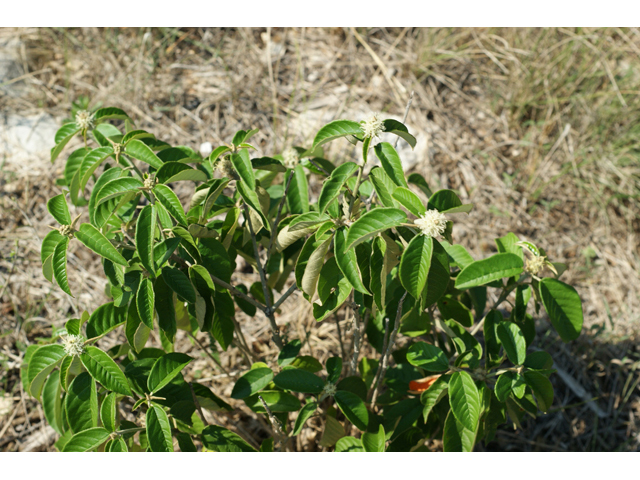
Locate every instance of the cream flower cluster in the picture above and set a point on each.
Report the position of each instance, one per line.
(84, 119)
(290, 157)
(372, 126)
(535, 264)
(432, 223)
(73, 344)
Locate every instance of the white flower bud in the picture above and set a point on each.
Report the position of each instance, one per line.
(205, 149)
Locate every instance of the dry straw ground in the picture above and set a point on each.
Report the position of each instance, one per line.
(538, 128)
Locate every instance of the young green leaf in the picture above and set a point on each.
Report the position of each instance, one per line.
(428, 357)
(347, 261)
(297, 380)
(52, 403)
(415, 264)
(145, 234)
(332, 186)
(220, 439)
(349, 444)
(117, 187)
(170, 201)
(49, 244)
(104, 319)
(179, 283)
(353, 408)
(384, 187)
(334, 369)
(513, 341)
(372, 223)
(63, 135)
(242, 165)
(175, 172)
(464, 400)
(87, 440)
(456, 437)
(409, 200)
(81, 403)
(109, 113)
(89, 165)
(215, 258)
(542, 389)
(145, 302)
(59, 265)
(298, 193)
(434, 394)
(391, 163)
(165, 369)
(447, 201)
(277, 401)
(374, 442)
(252, 382)
(485, 271)
(109, 412)
(399, 129)
(336, 129)
(104, 370)
(158, 430)
(57, 207)
(307, 411)
(138, 150)
(562, 303)
(91, 238)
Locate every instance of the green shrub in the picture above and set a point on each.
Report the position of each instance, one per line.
(369, 245)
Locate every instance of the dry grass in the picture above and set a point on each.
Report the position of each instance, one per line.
(538, 128)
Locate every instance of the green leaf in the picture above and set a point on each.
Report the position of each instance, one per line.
(176, 172)
(307, 411)
(138, 150)
(252, 382)
(57, 207)
(306, 220)
(336, 129)
(419, 181)
(562, 303)
(332, 186)
(49, 244)
(456, 437)
(508, 382)
(415, 264)
(513, 341)
(137, 333)
(87, 440)
(372, 223)
(409, 200)
(81, 403)
(298, 193)
(276, 401)
(458, 254)
(52, 403)
(308, 363)
(447, 201)
(434, 394)
(542, 389)
(334, 369)
(63, 135)
(374, 442)
(391, 163)
(427, 357)
(268, 163)
(297, 380)
(145, 302)
(464, 400)
(485, 271)
(220, 439)
(109, 113)
(170, 201)
(399, 129)
(539, 361)
(90, 163)
(158, 430)
(383, 186)
(104, 319)
(117, 187)
(491, 340)
(242, 165)
(288, 354)
(145, 234)
(91, 238)
(310, 262)
(179, 283)
(347, 261)
(104, 370)
(109, 412)
(166, 369)
(215, 258)
(59, 265)
(251, 199)
(353, 408)
(451, 309)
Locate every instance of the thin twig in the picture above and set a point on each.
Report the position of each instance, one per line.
(237, 292)
(263, 280)
(342, 350)
(284, 296)
(386, 351)
(276, 424)
(197, 403)
(404, 119)
(356, 339)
